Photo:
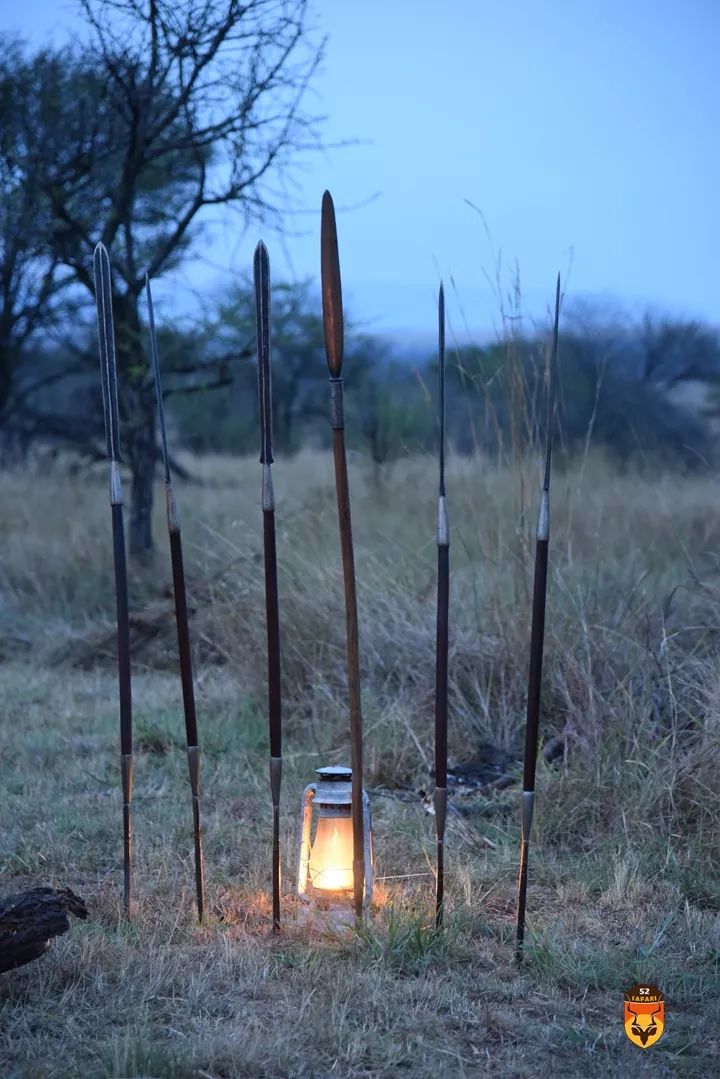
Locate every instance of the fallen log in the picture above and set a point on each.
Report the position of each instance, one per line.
(29, 921)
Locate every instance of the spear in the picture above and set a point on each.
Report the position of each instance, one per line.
(261, 277)
(441, 638)
(537, 636)
(108, 373)
(181, 617)
(334, 334)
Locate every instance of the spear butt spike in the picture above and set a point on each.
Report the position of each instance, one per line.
(127, 764)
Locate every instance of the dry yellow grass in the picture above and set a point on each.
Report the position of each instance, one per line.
(624, 867)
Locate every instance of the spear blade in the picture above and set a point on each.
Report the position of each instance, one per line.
(333, 321)
(537, 640)
(106, 340)
(156, 377)
(108, 375)
(441, 637)
(181, 619)
(334, 334)
(261, 282)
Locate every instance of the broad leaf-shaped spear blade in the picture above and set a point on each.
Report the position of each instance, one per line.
(441, 638)
(537, 639)
(108, 374)
(181, 618)
(333, 321)
(261, 278)
(333, 327)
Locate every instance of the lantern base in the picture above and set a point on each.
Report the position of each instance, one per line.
(328, 915)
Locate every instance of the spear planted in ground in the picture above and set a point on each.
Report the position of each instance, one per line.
(441, 638)
(537, 637)
(333, 327)
(261, 278)
(108, 372)
(181, 618)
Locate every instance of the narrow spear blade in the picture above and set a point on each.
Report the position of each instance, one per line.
(106, 338)
(331, 288)
(551, 388)
(156, 374)
(261, 280)
(441, 360)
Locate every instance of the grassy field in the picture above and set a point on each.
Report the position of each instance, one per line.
(625, 879)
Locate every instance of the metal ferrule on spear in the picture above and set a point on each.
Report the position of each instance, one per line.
(537, 637)
(108, 373)
(261, 279)
(334, 341)
(181, 618)
(441, 639)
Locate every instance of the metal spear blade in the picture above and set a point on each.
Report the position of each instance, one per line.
(261, 276)
(551, 388)
(156, 375)
(106, 338)
(331, 288)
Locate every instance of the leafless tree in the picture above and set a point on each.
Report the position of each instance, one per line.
(167, 109)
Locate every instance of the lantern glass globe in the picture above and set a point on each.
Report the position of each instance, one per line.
(331, 856)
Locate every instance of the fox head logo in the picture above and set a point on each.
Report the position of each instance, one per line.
(644, 1015)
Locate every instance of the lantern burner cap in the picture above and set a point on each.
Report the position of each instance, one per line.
(334, 773)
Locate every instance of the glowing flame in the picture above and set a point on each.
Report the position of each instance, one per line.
(331, 855)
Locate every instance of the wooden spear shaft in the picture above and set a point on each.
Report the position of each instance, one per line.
(537, 640)
(181, 619)
(334, 341)
(261, 276)
(441, 639)
(108, 372)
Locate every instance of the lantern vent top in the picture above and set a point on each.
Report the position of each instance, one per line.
(334, 773)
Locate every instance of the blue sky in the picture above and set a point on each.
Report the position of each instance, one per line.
(586, 132)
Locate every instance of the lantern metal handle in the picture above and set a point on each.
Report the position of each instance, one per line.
(367, 824)
(304, 838)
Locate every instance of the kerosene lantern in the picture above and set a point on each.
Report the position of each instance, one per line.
(325, 868)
